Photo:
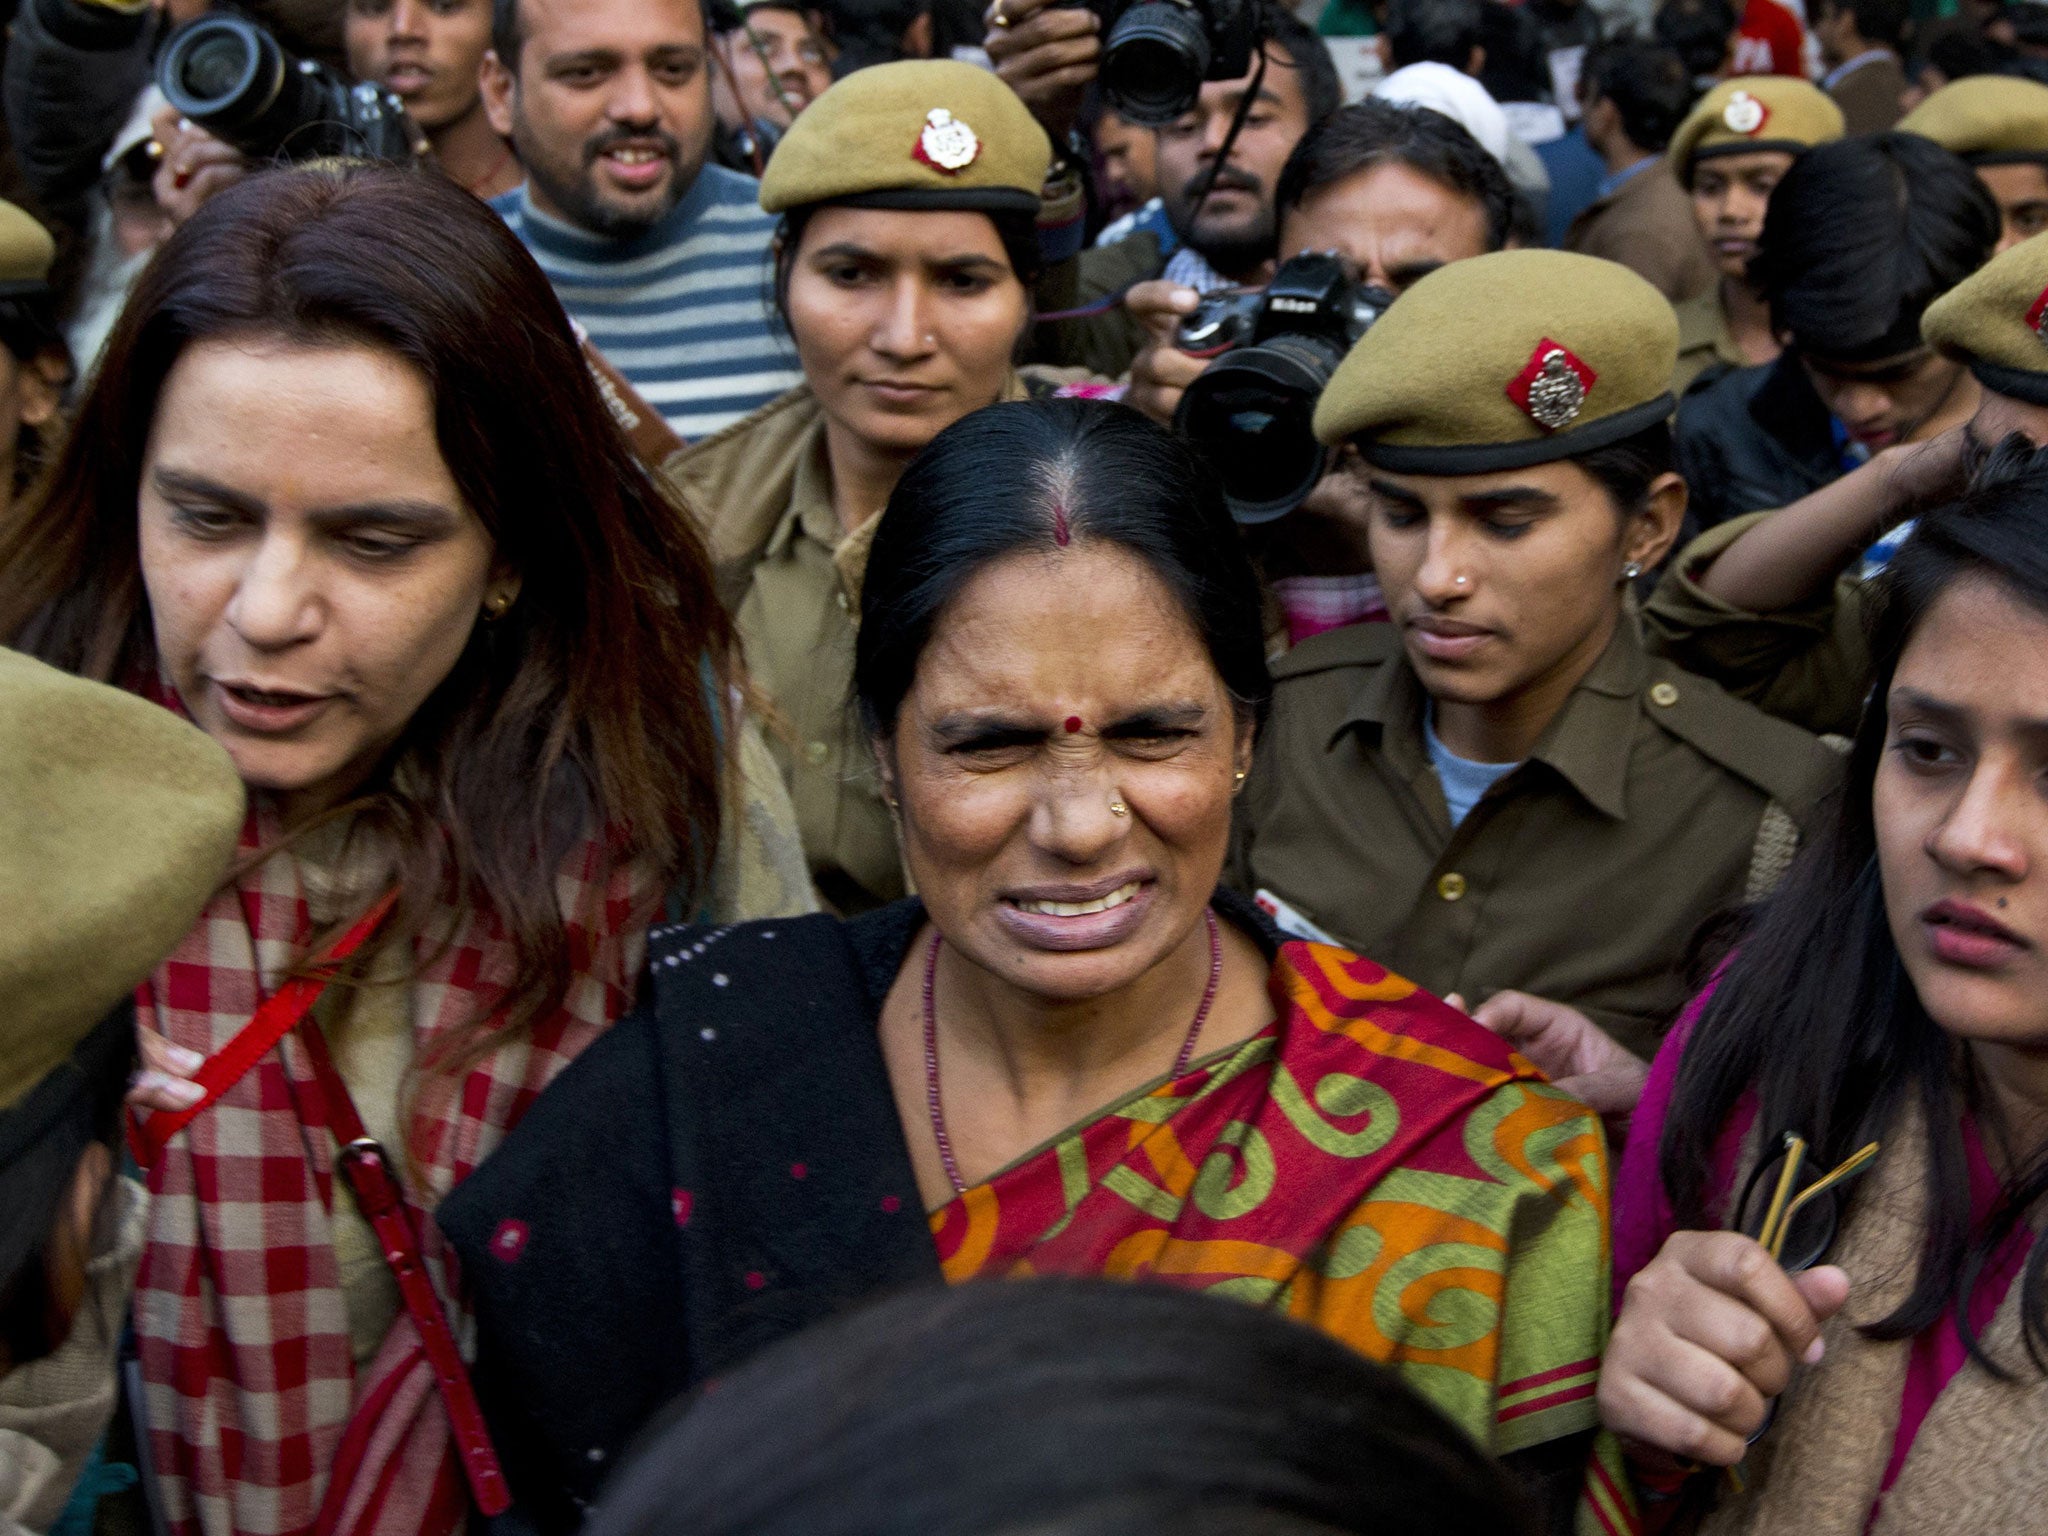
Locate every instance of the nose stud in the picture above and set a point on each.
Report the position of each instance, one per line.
(1118, 808)
(1461, 581)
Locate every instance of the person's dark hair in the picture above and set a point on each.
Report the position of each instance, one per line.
(590, 708)
(1515, 68)
(1433, 32)
(1961, 54)
(1046, 1408)
(1321, 88)
(29, 331)
(1017, 231)
(1649, 85)
(1369, 133)
(1089, 470)
(1877, 21)
(76, 1105)
(1625, 470)
(1815, 1014)
(1698, 31)
(1862, 235)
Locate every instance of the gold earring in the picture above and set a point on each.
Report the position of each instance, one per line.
(1118, 808)
(497, 605)
(1240, 778)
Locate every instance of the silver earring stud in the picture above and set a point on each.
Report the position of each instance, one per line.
(1632, 570)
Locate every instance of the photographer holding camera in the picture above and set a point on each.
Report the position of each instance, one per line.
(1156, 69)
(1393, 193)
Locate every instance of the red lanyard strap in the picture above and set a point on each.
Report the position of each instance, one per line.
(367, 1167)
(279, 1015)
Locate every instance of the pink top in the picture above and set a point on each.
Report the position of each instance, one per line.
(1643, 1219)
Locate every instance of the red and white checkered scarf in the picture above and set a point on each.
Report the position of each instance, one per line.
(248, 1380)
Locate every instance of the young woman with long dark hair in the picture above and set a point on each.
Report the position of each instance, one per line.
(344, 494)
(1892, 992)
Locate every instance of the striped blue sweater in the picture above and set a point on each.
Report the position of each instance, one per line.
(683, 311)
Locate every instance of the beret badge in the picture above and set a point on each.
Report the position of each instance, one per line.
(946, 144)
(1551, 390)
(2037, 317)
(1744, 114)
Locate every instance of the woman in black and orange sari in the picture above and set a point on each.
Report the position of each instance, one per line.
(1070, 1054)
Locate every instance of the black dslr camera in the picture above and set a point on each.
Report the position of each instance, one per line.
(1249, 414)
(1157, 53)
(228, 75)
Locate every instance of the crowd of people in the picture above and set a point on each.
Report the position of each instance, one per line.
(890, 768)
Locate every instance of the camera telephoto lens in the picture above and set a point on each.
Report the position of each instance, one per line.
(1250, 417)
(1154, 62)
(223, 73)
(230, 77)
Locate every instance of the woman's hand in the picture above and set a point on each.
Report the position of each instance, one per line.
(165, 1081)
(1576, 1054)
(195, 165)
(1709, 1333)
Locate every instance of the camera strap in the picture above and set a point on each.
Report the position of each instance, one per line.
(1237, 122)
(366, 1166)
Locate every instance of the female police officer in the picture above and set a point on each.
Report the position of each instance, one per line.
(1499, 790)
(909, 194)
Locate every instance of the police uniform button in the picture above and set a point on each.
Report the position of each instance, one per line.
(816, 753)
(1663, 695)
(1451, 886)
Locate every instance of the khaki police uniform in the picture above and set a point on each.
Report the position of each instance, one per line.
(1651, 801)
(26, 252)
(117, 821)
(1810, 664)
(1744, 116)
(1986, 119)
(918, 135)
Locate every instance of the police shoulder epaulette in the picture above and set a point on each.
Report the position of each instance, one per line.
(1354, 645)
(1792, 766)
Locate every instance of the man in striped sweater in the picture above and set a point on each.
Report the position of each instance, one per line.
(663, 259)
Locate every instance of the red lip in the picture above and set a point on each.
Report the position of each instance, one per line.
(1969, 936)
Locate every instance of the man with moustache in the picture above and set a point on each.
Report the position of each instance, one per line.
(661, 258)
(426, 52)
(1048, 53)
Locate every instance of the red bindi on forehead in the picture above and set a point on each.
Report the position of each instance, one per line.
(1073, 724)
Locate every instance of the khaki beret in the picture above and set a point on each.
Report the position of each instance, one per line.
(26, 251)
(1985, 119)
(1751, 113)
(1996, 321)
(117, 822)
(921, 133)
(1503, 361)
